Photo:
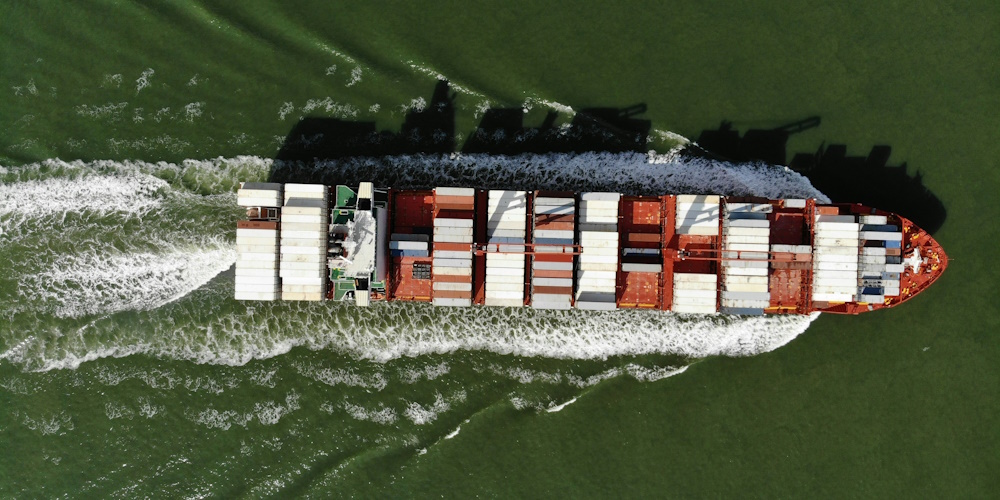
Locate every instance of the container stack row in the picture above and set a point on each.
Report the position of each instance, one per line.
(697, 215)
(257, 245)
(305, 220)
(880, 263)
(596, 277)
(747, 233)
(452, 264)
(507, 217)
(695, 293)
(552, 265)
(835, 258)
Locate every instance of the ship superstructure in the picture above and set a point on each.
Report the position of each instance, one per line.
(465, 247)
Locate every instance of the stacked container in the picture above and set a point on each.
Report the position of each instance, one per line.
(835, 258)
(453, 226)
(697, 215)
(599, 255)
(259, 194)
(880, 263)
(505, 230)
(305, 220)
(257, 245)
(695, 293)
(746, 230)
(552, 265)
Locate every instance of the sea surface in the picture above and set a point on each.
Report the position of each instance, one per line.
(127, 369)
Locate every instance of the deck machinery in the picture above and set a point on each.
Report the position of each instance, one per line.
(462, 247)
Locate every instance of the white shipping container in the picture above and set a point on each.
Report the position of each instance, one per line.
(696, 278)
(294, 210)
(257, 288)
(246, 201)
(633, 267)
(881, 236)
(597, 236)
(504, 294)
(304, 235)
(507, 233)
(449, 222)
(256, 257)
(257, 265)
(598, 205)
(833, 297)
(597, 219)
(256, 280)
(756, 240)
(554, 233)
(695, 286)
(550, 201)
(873, 219)
(749, 223)
(301, 280)
(599, 259)
(600, 196)
(704, 294)
(750, 231)
(698, 230)
(594, 266)
(452, 287)
(503, 271)
(302, 242)
(270, 241)
(313, 296)
(746, 271)
(290, 250)
(836, 258)
(504, 265)
(299, 188)
(249, 271)
(498, 302)
(795, 203)
(894, 268)
(286, 268)
(450, 302)
(452, 263)
(552, 281)
(742, 287)
(256, 233)
(454, 191)
(836, 250)
(499, 278)
(256, 249)
(837, 226)
(755, 280)
(836, 266)
(303, 219)
(265, 296)
(744, 264)
(698, 198)
(450, 238)
(303, 226)
(504, 287)
(693, 309)
(743, 207)
(748, 247)
(829, 242)
(454, 271)
(451, 254)
(301, 257)
(553, 266)
(501, 193)
(452, 231)
(694, 301)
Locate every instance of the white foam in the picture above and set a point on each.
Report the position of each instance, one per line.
(453, 433)
(381, 415)
(422, 415)
(559, 407)
(355, 77)
(143, 80)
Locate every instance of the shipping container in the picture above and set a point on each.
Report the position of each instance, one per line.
(694, 309)
(600, 196)
(794, 203)
(499, 302)
(454, 271)
(454, 191)
(450, 222)
(455, 287)
(443, 302)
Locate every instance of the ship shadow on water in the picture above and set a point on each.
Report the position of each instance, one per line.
(431, 131)
(314, 142)
(869, 180)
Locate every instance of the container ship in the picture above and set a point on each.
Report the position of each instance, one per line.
(465, 247)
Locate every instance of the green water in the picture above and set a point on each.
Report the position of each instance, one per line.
(126, 370)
